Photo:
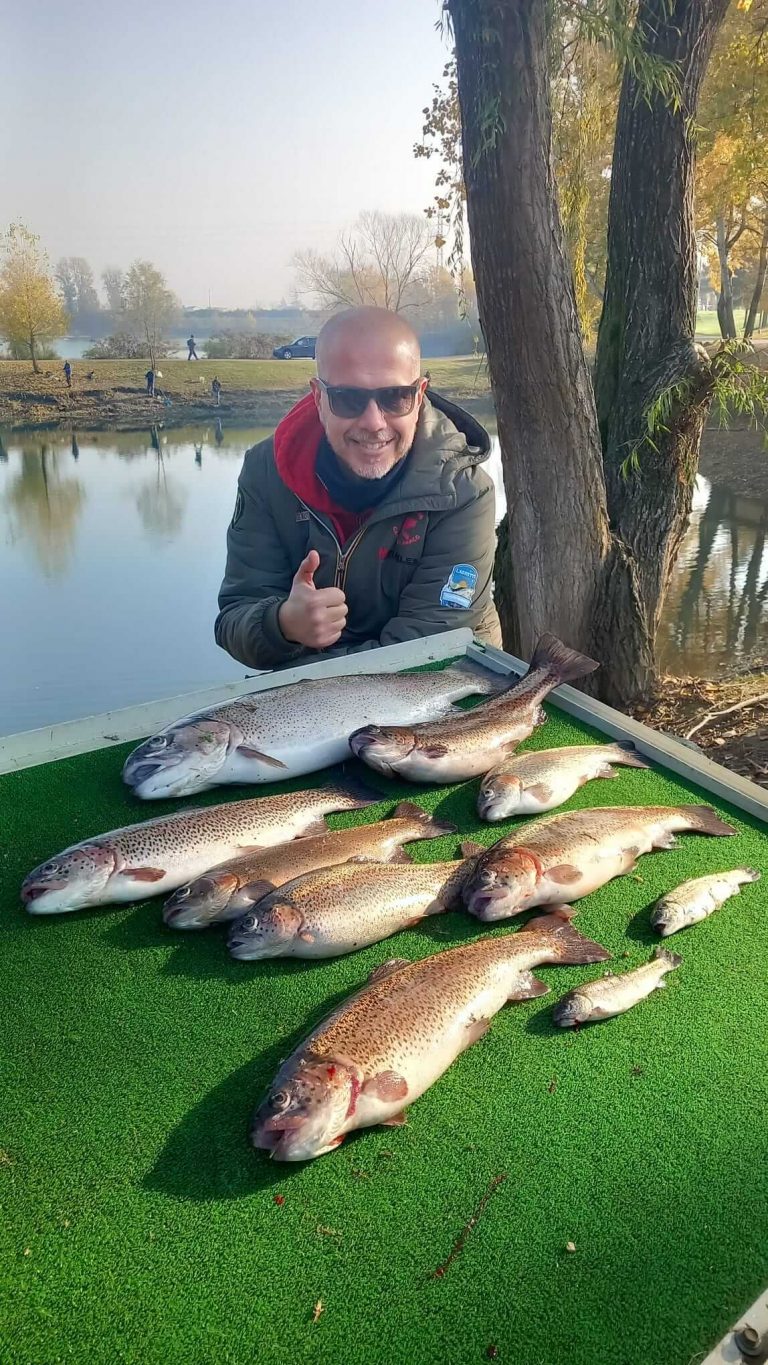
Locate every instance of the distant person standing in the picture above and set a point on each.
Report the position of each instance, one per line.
(216, 390)
(192, 352)
(150, 378)
(67, 368)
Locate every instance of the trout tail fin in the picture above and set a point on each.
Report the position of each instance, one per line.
(568, 945)
(704, 820)
(560, 661)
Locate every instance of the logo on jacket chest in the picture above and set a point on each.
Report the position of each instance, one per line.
(407, 532)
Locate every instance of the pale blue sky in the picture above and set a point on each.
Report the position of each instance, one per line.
(213, 139)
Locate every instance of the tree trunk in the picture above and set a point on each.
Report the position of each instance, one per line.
(757, 293)
(559, 542)
(35, 365)
(646, 337)
(725, 297)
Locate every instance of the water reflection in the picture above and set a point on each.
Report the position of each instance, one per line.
(44, 507)
(160, 502)
(717, 608)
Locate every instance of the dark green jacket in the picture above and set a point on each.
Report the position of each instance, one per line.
(421, 563)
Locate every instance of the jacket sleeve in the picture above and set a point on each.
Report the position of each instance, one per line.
(257, 580)
(464, 536)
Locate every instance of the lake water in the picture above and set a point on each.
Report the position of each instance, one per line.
(112, 550)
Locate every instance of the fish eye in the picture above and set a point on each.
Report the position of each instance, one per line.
(248, 922)
(183, 892)
(159, 742)
(280, 1100)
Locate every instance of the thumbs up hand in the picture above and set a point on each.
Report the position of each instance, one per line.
(312, 616)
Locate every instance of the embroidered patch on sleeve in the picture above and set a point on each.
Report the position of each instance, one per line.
(460, 587)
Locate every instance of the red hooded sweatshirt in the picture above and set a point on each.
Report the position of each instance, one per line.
(297, 441)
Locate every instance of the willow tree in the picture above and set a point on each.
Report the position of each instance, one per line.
(598, 476)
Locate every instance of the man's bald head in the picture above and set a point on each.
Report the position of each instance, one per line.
(373, 335)
(369, 349)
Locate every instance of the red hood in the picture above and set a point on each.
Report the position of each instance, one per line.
(297, 440)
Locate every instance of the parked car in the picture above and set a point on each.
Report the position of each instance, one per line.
(302, 348)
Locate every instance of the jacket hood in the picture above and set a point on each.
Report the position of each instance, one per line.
(448, 440)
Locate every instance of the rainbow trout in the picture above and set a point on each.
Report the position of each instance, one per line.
(137, 861)
(564, 857)
(698, 898)
(229, 890)
(471, 743)
(611, 995)
(340, 909)
(529, 784)
(287, 731)
(391, 1041)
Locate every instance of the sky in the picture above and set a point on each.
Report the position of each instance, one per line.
(213, 139)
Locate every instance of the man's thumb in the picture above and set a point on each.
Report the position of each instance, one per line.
(307, 569)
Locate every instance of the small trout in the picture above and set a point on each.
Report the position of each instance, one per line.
(611, 995)
(698, 898)
(391, 1041)
(529, 784)
(470, 744)
(229, 890)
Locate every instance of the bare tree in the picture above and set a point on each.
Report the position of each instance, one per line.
(75, 280)
(380, 261)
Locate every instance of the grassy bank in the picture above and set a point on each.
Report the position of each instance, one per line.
(108, 391)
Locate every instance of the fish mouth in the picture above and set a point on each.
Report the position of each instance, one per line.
(489, 806)
(498, 903)
(45, 898)
(379, 751)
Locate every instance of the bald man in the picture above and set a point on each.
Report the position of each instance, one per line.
(366, 519)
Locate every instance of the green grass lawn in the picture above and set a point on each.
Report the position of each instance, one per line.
(461, 373)
(138, 1225)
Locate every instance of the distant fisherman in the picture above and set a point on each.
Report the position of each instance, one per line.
(150, 378)
(67, 368)
(366, 519)
(192, 352)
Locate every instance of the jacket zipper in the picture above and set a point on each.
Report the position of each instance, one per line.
(342, 556)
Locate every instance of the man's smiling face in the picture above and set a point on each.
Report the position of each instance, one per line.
(371, 352)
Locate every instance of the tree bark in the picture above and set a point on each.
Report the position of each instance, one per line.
(646, 336)
(559, 543)
(757, 293)
(35, 366)
(725, 297)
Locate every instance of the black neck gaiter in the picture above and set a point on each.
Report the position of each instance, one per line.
(349, 490)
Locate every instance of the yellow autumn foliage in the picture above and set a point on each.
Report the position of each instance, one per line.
(31, 312)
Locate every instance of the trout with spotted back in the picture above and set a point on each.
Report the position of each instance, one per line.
(137, 861)
(287, 731)
(230, 890)
(386, 1045)
(564, 857)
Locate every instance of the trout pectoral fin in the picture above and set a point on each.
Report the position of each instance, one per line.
(316, 825)
(143, 874)
(306, 937)
(469, 848)
(540, 792)
(246, 751)
(528, 987)
(396, 1121)
(388, 1085)
(476, 1030)
(434, 750)
(564, 872)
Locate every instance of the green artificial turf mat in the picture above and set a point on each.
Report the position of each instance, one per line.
(138, 1225)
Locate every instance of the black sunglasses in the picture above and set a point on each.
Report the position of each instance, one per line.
(396, 400)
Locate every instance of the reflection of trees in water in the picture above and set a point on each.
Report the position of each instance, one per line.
(161, 503)
(45, 507)
(719, 598)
